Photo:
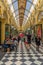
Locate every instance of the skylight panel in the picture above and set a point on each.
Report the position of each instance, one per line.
(26, 12)
(13, 0)
(28, 5)
(15, 5)
(16, 12)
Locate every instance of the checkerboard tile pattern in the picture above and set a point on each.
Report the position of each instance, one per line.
(23, 57)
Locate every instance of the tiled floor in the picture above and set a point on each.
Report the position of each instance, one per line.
(23, 57)
(1, 54)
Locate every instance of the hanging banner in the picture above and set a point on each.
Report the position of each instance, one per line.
(39, 31)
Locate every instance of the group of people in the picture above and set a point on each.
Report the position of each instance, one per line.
(28, 41)
(11, 42)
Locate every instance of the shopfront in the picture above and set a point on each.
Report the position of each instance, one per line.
(7, 32)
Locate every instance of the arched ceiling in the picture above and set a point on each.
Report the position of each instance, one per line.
(21, 9)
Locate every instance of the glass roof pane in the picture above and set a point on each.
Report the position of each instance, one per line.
(26, 12)
(28, 5)
(29, 0)
(16, 12)
(13, 0)
(15, 5)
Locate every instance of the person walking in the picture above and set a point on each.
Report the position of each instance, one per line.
(29, 40)
(37, 40)
(18, 39)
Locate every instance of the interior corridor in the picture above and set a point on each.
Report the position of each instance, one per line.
(21, 26)
(23, 57)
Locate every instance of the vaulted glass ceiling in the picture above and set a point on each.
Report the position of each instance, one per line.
(15, 6)
(29, 3)
(22, 10)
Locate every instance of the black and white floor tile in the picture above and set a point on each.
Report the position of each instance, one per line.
(23, 57)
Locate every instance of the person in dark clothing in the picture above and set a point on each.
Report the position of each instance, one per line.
(24, 39)
(29, 40)
(37, 40)
(19, 39)
(10, 36)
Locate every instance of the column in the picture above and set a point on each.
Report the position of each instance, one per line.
(42, 32)
(2, 32)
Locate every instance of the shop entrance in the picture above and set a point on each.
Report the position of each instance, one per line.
(0, 32)
(6, 30)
